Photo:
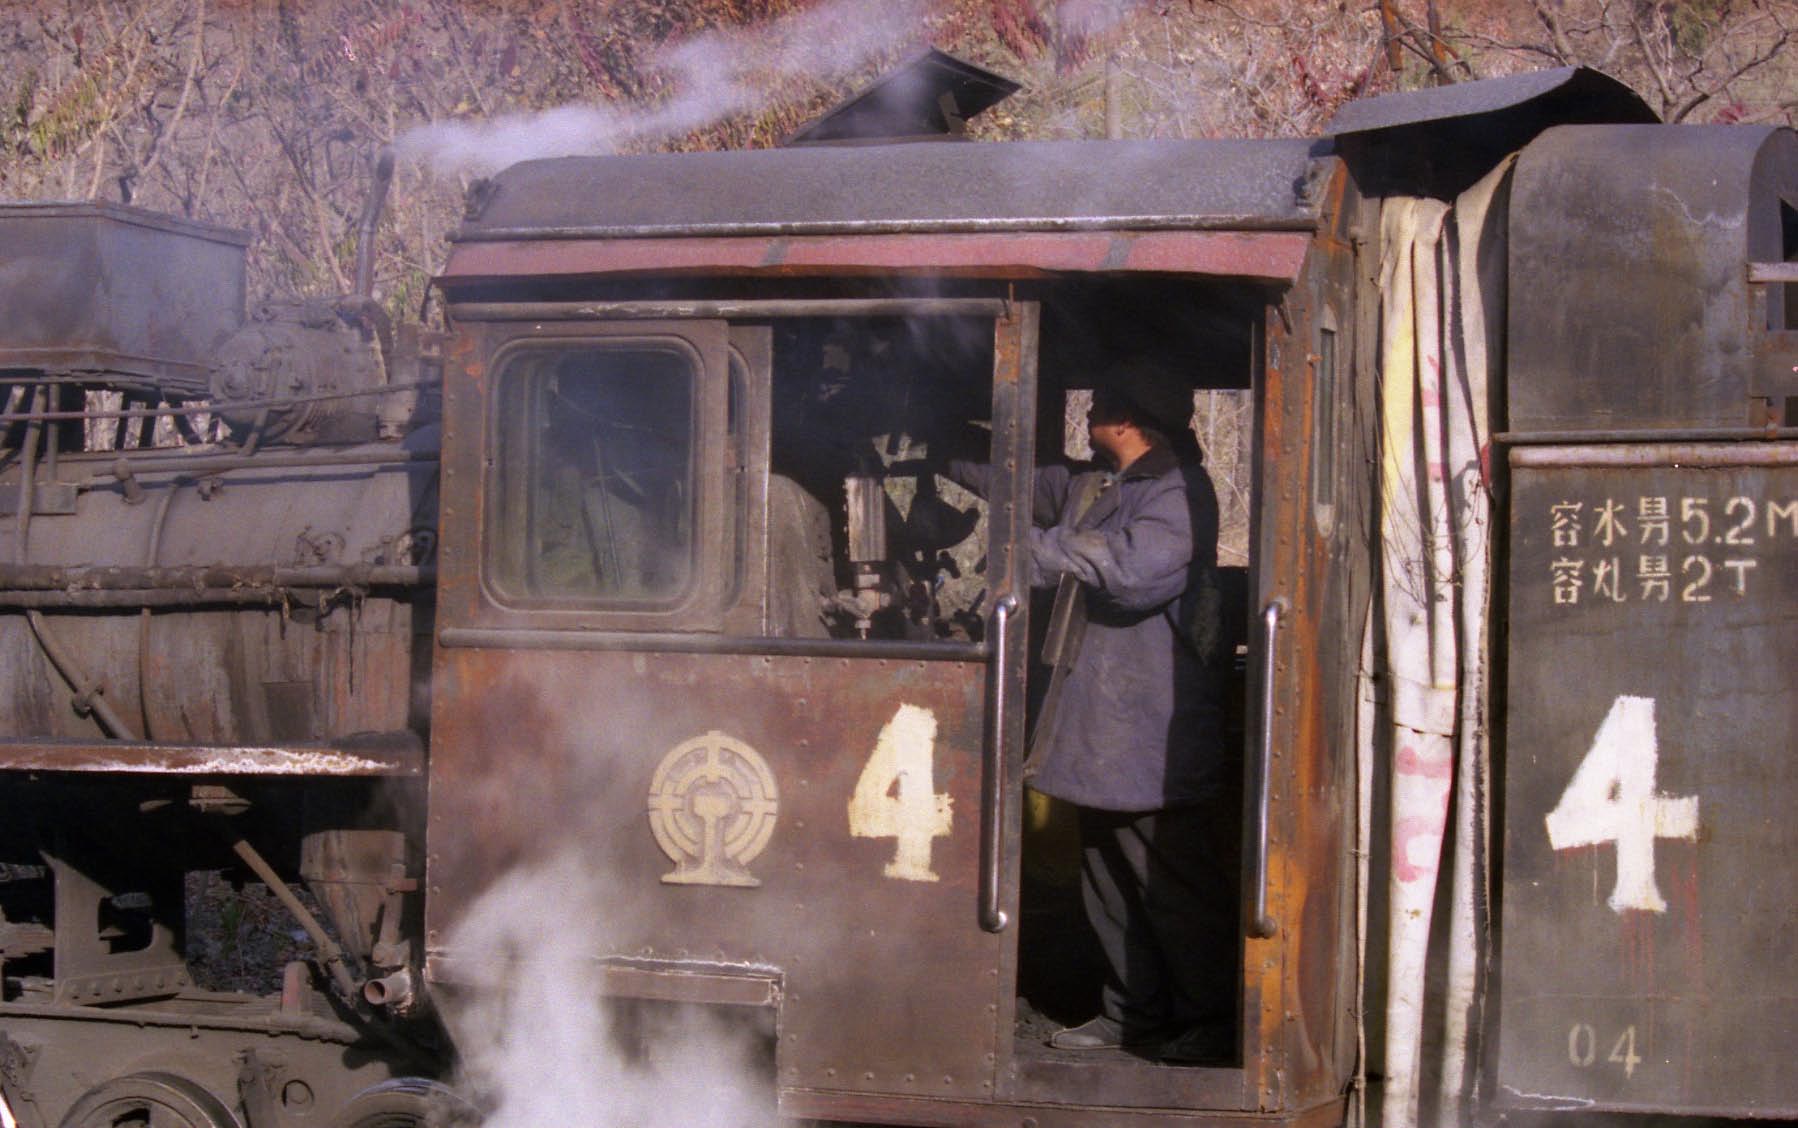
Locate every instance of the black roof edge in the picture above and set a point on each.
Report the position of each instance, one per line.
(1440, 141)
(1600, 96)
(930, 96)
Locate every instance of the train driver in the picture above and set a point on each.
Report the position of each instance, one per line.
(1131, 735)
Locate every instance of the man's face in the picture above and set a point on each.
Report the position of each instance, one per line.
(1107, 424)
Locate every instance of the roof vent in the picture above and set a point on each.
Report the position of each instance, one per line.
(930, 97)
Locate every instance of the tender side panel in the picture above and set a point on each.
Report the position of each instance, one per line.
(1649, 849)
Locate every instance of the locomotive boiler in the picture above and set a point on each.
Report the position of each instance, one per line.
(617, 646)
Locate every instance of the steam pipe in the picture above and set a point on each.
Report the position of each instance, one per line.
(371, 218)
(151, 551)
(52, 577)
(396, 991)
(28, 473)
(87, 692)
(124, 470)
(214, 407)
(328, 951)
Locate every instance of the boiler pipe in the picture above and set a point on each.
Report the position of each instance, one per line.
(328, 951)
(194, 578)
(371, 218)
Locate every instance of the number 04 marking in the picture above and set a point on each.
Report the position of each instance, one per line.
(1612, 799)
(895, 795)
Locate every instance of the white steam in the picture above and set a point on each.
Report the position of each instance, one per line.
(714, 76)
(535, 1036)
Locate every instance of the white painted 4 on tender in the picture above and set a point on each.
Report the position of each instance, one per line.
(1611, 798)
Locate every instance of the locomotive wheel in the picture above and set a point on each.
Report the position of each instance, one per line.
(407, 1102)
(148, 1100)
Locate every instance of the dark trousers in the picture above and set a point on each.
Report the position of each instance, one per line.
(1161, 889)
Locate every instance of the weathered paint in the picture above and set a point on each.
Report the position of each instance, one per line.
(1266, 256)
(1648, 840)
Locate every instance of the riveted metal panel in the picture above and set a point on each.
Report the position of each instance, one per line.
(575, 738)
(1649, 950)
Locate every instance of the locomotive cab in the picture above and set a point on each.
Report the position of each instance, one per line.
(778, 707)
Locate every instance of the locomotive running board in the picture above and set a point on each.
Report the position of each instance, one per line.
(385, 754)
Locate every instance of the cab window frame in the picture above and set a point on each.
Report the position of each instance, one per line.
(699, 605)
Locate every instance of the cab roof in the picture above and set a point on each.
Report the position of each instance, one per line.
(928, 187)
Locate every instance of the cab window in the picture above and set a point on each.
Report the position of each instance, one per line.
(594, 500)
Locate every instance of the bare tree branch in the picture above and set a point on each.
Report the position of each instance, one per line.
(1563, 50)
(1701, 97)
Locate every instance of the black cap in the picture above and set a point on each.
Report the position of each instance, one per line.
(1161, 397)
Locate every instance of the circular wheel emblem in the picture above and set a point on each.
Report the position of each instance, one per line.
(712, 806)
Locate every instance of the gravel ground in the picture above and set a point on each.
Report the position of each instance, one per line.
(239, 938)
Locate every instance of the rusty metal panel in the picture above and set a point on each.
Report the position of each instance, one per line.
(106, 288)
(1649, 849)
(1630, 306)
(292, 538)
(889, 984)
(1274, 256)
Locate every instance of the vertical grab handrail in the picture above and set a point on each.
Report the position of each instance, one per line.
(1261, 925)
(993, 917)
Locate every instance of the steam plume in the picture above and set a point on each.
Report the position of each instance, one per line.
(536, 1040)
(715, 75)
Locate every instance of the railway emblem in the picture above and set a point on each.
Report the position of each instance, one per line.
(712, 808)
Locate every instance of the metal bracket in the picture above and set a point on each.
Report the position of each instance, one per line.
(1775, 370)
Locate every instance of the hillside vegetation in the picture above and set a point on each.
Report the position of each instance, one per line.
(263, 114)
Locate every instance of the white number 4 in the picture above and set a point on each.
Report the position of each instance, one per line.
(895, 795)
(1612, 799)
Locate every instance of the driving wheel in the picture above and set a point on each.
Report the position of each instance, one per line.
(407, 1102)
(148, 1100)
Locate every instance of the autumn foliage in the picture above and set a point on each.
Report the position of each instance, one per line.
(263, 114)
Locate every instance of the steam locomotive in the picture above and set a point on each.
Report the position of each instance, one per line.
(615, 643)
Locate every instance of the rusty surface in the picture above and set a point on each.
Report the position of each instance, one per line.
(100, 287)
(51, 577)
(1666, 595)
(845, 937)
(373, 754)
(1714, 456)
(1259, 255)
(187, 675)
(1299, 988)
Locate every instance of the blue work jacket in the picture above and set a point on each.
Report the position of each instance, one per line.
(1137, 725)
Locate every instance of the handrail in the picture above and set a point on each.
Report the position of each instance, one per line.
(993, 916)
(1261, 925)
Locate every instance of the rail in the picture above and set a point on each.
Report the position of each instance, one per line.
(993, 917)
(1262, 925)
